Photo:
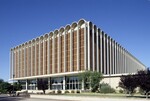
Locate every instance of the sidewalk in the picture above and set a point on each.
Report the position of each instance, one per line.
(83, 98)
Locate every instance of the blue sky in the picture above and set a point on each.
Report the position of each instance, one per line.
(126, 21)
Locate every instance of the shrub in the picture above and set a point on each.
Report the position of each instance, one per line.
(53, 92)
(128, 83)
(66, 91)
(121, 91)
(106, 88)
(77, 91)
(72, 91)
(59, 92)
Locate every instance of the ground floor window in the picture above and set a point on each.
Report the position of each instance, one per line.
(23, 84)
(52, 83)
(57, 83)
(73, 83)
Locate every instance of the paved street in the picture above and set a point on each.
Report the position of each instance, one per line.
(65, 98)
(7, 98)
(84, 98)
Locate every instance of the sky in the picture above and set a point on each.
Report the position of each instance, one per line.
(126, 21)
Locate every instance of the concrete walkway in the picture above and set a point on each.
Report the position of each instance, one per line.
(84, 98)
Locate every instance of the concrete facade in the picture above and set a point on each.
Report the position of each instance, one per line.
(69, 50)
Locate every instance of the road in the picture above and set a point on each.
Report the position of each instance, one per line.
(8, 98)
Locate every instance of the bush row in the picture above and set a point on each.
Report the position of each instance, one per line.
(60, 92)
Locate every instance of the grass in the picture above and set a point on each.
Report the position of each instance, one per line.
(109, 95)
(102, 95)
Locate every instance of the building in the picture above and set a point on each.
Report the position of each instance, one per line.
(57, 57)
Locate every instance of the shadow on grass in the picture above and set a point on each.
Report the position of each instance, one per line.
(11, 98)
(138, 96)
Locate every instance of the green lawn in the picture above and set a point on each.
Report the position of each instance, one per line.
(113, 95)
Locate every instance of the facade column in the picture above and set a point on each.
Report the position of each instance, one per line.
(78, 49)
(121, 58)
(112, 43)
(21, 62)
(39, 57)
(25, 61)
(48, 55)
(118, 58)
(104, 52)
(115, 56)
(53, 68)
(65, 51)
(13, 69)
(93, 44)
(127, 61)
(15, 63)
(35, 68)
(36, 84)
(85, 45)
(119, 61)
(10, 58)
(49, 83)
(58, 51)
(107, 54)
(15, 72)
(88, 28)
(18, 62)
(44, 57)
(97, 46)
(26, 84)
(124, 60)
(71, 50)
(122, 67)
(82, 85)
(110, 56)
(64, 83)
(101, 68)
(31, 59)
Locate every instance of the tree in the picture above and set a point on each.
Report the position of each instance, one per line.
(96, 77)
(4, 86)
(1, 80)
(17, 86)
(144, 80)
(90, 80)
(85, 78)
(42, 84)
(129, 83)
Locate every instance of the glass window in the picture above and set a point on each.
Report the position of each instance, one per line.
(57, 83)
